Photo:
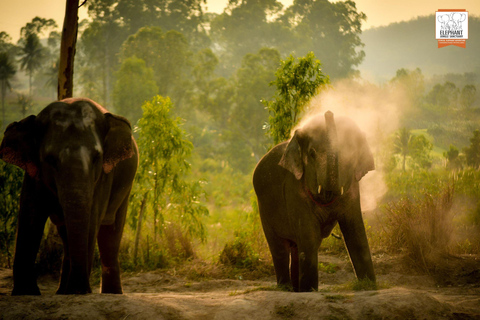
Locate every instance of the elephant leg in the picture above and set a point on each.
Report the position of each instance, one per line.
(280, 250)
(308, 268)
(294, 273)
(62, 288)
(109, 237)
(353, 230)
(30, 227)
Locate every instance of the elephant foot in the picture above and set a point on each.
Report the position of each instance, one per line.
(26, 291)
(115, 288)
(74, 289)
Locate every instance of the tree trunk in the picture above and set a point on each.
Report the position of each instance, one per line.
(139, 227)
(67, 50)
(3, 104)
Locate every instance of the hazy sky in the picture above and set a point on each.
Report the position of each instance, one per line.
(14, 14)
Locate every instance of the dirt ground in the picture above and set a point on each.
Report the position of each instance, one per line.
(166, 294)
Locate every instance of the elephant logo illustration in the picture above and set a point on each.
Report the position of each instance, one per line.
(451, 27)
(452, 21)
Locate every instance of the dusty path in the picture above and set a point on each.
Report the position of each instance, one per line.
(160, 295)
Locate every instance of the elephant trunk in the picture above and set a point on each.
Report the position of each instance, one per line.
(76, 204)
(332, 183)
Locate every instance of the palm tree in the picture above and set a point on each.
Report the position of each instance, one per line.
(31, 56)
(7, 71)
(402, 143)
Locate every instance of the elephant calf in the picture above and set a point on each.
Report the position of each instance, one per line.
(304, 187)
(80, 162)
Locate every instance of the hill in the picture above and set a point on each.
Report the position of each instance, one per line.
(411, 44)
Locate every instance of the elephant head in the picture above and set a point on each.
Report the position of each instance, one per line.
(67, 134)
(458, 18)
(313, 156)
(443, 19)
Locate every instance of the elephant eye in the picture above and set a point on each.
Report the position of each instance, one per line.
(312, 153)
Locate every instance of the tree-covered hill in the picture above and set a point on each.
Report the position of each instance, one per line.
(411, 44)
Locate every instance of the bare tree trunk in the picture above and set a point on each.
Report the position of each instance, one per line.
(67, 50)
(139, 227)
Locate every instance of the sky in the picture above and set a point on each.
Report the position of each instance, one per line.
(14, 14)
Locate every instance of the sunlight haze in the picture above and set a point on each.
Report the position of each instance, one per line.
(15, 14)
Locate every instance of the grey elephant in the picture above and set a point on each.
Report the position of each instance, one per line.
(306, 185)
(80, 162)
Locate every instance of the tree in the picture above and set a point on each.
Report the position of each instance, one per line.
(402, 144)
(445, 95)
(419, 149)
(248, 115)
(7, 71)
(245, 27)
(472, 152)
(163, 171)
(416, 147)
(6, 44)
(297, 81)
(184, 16)
(331, 30)
(452, 157)
(134, 86)
(31, 56)
(467, 97)
(413, 82)
(37, 26)
(167, 54)
(98, 50)
(67, 50)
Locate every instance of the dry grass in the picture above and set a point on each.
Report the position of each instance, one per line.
(422, 228)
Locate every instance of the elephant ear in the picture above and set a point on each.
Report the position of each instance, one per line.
(18, 146)
(118, 144)
(292, 159)
(365, 162)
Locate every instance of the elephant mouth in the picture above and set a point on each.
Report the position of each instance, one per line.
(324, 198)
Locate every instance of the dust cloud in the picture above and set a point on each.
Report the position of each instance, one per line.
(376, 110)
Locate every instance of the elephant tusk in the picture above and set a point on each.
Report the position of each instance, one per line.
(341, 191)
(319, 188)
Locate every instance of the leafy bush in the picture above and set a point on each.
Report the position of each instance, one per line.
(11, 179)
(239, 253)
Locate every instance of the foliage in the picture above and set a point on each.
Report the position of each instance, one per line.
(452, 157)
(417, 147)
(467, 96)
(331, 30)
(134, 86)
(32, 55)
(412, 82)
(297, 80)
(472, 152)
(167, 54)
(185, 16)
(239, 253)
(420, 149)
(11, 179)
(163, 171)
(421, 227)
(7, 71)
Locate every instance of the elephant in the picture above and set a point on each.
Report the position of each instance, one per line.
(444, 19)
(79, 162)
(458, 18)
(306, 185)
